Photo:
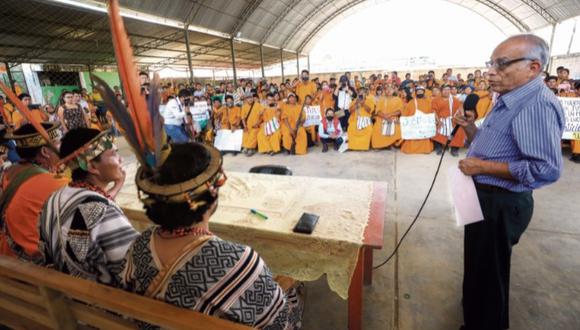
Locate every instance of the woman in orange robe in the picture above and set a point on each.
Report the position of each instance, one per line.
(485, 104)
(362, 107)
(389, 108)
(445, 108)
(419, 103)
(269, 143)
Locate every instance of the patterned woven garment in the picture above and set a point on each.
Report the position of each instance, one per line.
(217, 278)
(84, 234)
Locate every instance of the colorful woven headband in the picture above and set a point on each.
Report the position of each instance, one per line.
(91, 150)
(34, 140)
(189, 191)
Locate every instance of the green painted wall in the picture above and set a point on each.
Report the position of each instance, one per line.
(112, 78)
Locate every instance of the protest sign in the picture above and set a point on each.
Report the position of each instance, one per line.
(571, 107)
(199, 111)
(313, 116)
(227, 140)
(419, 126)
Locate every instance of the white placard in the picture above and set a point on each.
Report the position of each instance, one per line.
(571, 107)
(199, 111)
(419, 126)
(227, 140)
(313, 116)
(465, 200)
(343, 100)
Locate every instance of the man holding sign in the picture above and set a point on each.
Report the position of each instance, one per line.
(516, 150)
(227, 138)
(293, 133)
(419, 114)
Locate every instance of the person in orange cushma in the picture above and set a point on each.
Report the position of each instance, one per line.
(360, 127)
(485, 104)
(419, 103)
(269, 134)
(389, 108)
(231, 114)
(251, 123)
(26, 187)
(293, 133)
(445, 108)
(304, 88)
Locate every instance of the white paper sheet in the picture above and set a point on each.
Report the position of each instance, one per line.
(227, 140)
(465, 201)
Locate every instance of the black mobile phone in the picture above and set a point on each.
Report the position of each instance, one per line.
(306, 223)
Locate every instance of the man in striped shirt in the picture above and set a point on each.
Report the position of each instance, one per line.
(83, 232)
(516, 150)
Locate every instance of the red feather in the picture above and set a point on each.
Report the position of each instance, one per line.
(128, 72)
(27, 114)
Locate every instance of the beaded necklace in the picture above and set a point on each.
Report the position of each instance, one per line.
(182, 231)
(91, 187)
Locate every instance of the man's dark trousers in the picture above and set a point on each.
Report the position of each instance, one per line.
(488, 248)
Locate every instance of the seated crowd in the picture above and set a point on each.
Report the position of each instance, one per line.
(70, 221)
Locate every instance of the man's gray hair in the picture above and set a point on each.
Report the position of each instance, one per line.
(538, 47)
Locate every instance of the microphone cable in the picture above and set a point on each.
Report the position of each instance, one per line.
(420, 209)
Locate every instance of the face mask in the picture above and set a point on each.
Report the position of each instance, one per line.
(329, 118)
(229, 104)
(305, 78)
(325, 87)
(420, 96)
(272, 105)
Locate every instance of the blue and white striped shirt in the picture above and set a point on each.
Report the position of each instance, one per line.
(524, 129)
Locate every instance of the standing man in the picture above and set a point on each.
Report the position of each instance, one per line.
(515, 151)
(304, 88)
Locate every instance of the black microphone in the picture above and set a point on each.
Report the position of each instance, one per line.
(469, 105)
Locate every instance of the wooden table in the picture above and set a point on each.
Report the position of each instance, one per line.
(374, 205)
(363, 274)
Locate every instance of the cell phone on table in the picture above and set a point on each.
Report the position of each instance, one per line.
(306, 223)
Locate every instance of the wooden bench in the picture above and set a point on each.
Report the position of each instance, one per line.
(33, 297)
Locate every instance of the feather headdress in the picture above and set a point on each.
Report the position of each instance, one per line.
(29, 117)
(140, 120)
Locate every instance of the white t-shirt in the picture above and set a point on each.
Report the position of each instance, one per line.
(174, 112)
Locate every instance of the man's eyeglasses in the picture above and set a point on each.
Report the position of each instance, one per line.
(501, 64)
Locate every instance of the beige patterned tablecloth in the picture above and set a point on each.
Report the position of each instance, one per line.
(332, 249)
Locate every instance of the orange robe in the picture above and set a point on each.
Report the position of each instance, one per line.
(441, 108)
(16, 119)
(422, 146)
(360, 139)
(23, 211)
(250, 139)
(230, 117)
(302, 90)
(272, 142)
(386, 106)
(293, 113)
(484, 105)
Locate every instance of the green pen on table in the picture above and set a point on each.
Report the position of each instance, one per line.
(259, 214)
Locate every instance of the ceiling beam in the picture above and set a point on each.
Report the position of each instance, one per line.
(306, 19)
(279, 19)
(541, 11)
(245, 15)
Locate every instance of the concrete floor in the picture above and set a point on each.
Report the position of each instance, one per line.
(421, 287)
